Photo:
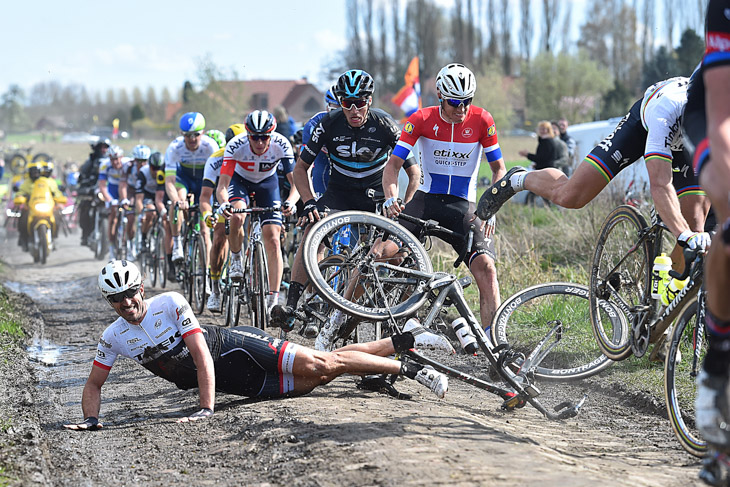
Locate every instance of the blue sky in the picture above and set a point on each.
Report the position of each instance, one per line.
(158, 42)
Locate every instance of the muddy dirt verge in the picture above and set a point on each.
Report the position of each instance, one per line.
(337, 435)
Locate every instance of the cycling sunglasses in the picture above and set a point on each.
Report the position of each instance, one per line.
(192, 135)
(260, 137)
(119, 297)
(457, 103)
(349, 103)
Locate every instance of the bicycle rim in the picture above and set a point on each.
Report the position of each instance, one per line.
(620, 274)
(261, 286)
(680, 370)
(152, 257)
(525, 318)
(398, 293)
(234, 305)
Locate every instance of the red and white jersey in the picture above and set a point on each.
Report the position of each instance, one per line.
(169, 319)
(450, 153)
(239, 157)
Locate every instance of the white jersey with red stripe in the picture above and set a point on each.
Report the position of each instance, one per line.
(450, 153)
(168, 321)
(240, 158)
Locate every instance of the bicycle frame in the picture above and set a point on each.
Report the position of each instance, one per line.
(522, 389)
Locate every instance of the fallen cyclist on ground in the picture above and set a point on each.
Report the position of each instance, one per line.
(167, 340)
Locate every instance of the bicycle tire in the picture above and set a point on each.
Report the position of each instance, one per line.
(680, 370)
(161, 257)
(154, 265)
(42, 235)
(526, 317)
(370, 306)
(101, 249)
(260, 285)
(233, 313)
(620, 274)
(198, 274)
(18, 162)
(120, 252)
(41, 156)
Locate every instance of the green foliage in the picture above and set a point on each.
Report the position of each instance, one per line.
(12, 111)
(564, 85)
(689, 52)
(10, 326)
(137, 113)
(617, 101)
(662, 66)
(492, 95)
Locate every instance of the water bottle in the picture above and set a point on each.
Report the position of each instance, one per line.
(660, 275)
(672, 290)
(466, 337)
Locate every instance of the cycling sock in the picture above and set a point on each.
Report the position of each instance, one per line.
(216, 285)
(295, 292)
(410, 369)
(236, 255)
(177, 241)
(169, 259)
(403, 342)
(517, 180)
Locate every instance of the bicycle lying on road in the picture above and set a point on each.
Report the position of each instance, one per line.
(395, 289)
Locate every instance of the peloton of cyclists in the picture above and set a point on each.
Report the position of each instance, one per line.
(249, 167)
(87, 184)
(113, 186)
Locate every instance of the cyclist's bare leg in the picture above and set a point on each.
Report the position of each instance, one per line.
(485, 274)
(574, 192)
(182, 194)
(218, 249)
(235, 235)
(131, 222)
(271, 235)
(694, 208)
(112, 230)
(298, 273)
(148, 219)
(206, 240)
(312, 368)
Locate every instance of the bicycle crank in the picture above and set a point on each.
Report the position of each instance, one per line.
(640, 336)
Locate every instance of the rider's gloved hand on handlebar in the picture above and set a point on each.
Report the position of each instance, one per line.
(202, 414)
(289, 208)
(210, 219)
(89, 424)
(125, 202)
(393, 206)
(222, 209)
(310, 213)
(695, 240)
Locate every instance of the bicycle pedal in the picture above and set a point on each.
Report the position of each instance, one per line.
(512, 402)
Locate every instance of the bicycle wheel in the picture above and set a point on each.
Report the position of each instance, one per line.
(151, 252)
(198, 274)
(42, 235)
(260, 286)
(233, 310)
(101, 249)
(524, 319)
(684, 358)
(17, 163)
(387, 287)
(620, 274)
(120, 243)
(41, 156)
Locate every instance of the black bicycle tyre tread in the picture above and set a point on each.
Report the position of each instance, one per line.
(261, 281)
(690, 442)
(311, 264)
(42, 234)
(620, 213)
(198, 268)
(501, 322)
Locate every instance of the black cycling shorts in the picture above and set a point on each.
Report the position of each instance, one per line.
(453, 213)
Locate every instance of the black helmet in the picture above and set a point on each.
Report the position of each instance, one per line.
(156, 160)
(297, 137)
(260, 122)
(102, 141)
(355, 83)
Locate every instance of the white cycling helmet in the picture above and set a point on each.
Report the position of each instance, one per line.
(456, 81)
(118, 276)
(141, 152)
(115, 151)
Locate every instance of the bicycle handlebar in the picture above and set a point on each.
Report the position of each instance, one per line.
(691, 256)
(432, 227)
(257, 209)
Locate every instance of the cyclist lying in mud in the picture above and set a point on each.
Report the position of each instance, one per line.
(163, 335)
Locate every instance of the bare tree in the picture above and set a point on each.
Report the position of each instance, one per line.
(457, 32)
(370, 40)
(492, 33)
(525, 35)
(470, 34)
(669, 8)
(355, 55)
(551, 10)
(506, 37)
(647, 35)
(383, 61)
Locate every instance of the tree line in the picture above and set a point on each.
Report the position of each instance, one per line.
(531, 58)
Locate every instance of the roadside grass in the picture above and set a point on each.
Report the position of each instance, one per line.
(11, 333)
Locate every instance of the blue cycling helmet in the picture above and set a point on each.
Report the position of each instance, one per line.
(354, 83)
(329, 96)
(192, 122)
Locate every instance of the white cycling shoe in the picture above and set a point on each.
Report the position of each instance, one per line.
(427, 340)
(709, 416)
(214, 303)
(235, 271)
(177, 253)
(325, 339)
(434, 380)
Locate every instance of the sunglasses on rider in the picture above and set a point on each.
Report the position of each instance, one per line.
(119, 297)
(192, 135)
(349, 103)
(260, 137)
(457, 103)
